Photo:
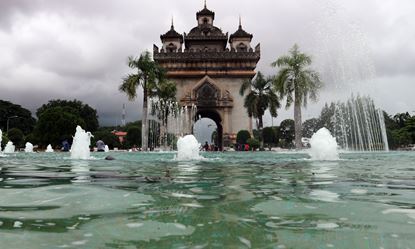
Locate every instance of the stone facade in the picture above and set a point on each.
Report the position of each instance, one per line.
(209, 74)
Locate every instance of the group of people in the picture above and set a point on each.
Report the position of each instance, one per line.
(210, 147)
(66, 146)
(242, 147)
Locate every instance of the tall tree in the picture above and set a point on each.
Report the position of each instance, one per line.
(57, 124)
(76, 108)
(297, 83)
(148, 74)
(260, 98)
(16, 117)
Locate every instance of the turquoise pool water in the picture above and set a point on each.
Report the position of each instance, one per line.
(229, 200)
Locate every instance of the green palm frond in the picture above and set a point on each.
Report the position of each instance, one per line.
(295, 79)
(129, 86)
(261, 96)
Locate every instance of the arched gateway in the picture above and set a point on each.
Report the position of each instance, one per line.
(209, 74)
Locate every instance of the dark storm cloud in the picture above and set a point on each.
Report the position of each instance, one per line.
(77, 49)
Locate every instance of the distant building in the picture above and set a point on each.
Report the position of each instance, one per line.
(121, 135)
(208, 73)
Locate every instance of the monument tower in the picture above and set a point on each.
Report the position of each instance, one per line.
(208, 73)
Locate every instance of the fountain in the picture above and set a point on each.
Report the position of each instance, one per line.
(106, 148)
(169, 121)
(28, 148)
(1, 137)
(188, 148)
(10, 148)
(80, 146)
(49, 149)
(323, 146)
(358, 125)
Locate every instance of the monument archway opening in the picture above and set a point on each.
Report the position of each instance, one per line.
(212, 115)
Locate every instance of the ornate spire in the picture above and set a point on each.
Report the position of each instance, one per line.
(172, 22)
(240, 22)
(205, 5)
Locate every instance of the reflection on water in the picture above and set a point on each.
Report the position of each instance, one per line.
(230, 200)
(82, 171)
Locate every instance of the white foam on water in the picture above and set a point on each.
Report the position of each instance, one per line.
(134, 225)
(358, 191)
(107, 149)
(80, 146)
(79, 242)
(323, 146)
(17, 224)
(409, 212)
(324, 195)
(49, 149)
(28, 148)
(245, 242)
(180, 226)
(188, 149)
(193, 205)
(327, 225)
(10, 148)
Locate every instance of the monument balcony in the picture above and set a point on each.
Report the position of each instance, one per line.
(189, 55)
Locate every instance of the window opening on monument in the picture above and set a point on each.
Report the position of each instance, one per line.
(171, 48)
(205, 21)
(242, 47)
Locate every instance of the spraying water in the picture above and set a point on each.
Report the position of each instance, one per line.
(10, 148)
(106, 148)
(80, 145)
(49, 149)
(359, 125)
(1, 137)
(188, 148)
(323, 146)
(28, 148)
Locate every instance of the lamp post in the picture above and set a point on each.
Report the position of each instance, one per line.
(8, 119)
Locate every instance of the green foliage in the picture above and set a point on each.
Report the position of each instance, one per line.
(75, 107)
(253, 143)
(327, 117)
(260, 97)
(4, 140)
(297, 83)
(294, 80)
(134, 136)
(24, 120)
(401, 118)
(148, 74)
(107, 137)
(56, 124)
(32, 138)
(131, 124)
(400, 130)
(287, 133)
(270, 136)
(243, 136)
(16, 136)
(310, 127)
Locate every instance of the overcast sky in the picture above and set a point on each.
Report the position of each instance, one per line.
(70, 49)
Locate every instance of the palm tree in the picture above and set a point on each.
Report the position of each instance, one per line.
(260, 97)
(297, 83)
(148, 74)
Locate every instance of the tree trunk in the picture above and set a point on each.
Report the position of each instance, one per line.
(261, 134)
(144, 121)
(297, 121)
